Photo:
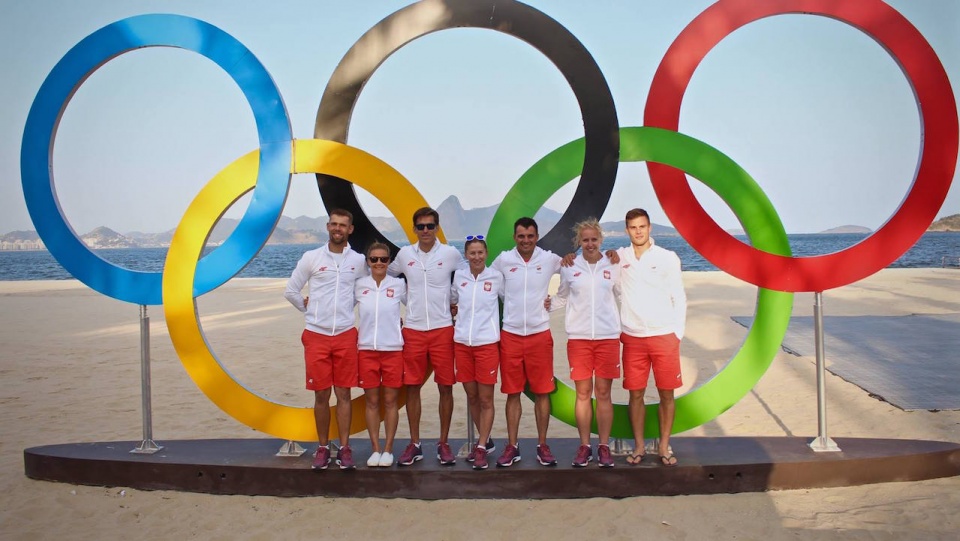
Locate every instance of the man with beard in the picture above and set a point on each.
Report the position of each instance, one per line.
(330, 337)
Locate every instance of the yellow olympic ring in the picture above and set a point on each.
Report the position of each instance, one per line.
(179, 306)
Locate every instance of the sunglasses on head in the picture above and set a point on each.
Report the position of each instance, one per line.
(474, 237)
(379, 259)
(421, 227)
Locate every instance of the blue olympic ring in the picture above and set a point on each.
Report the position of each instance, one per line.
(273, 131)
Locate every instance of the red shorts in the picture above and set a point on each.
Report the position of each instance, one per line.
(479, 363)
(381, 368)
(422, 347)
(330, 360)
(589, 357)
(660, 352)
(526, 359)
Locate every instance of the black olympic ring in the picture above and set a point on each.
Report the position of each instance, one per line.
(601, 127)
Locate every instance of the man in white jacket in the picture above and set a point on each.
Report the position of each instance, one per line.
(653, 315)
(330, 337)
(526, 345)
(428, 329)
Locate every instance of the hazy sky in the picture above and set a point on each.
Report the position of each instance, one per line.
(815, 110)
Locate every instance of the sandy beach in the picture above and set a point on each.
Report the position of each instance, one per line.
(70, 372)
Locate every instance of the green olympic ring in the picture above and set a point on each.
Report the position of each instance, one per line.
(758, 218)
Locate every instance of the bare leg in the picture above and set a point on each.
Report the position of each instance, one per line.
(321, 415)
(637, 413)
(666, 413)
(446, 410)
(583, 409)
(485, 418)
(513, 410)
(344, 413)
(604, 409)
(372, 415)
(473, 402)
(413, 411)
(541, 410)
(391, 417)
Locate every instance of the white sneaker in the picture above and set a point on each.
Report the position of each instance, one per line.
(374, 460)
(386, 460)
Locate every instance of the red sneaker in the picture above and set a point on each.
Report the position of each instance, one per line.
(544, 456)
(345, 458)
(321, 459)
(480, 458)
(511, 454)
(604, 458)
(410, 455)
(584, 456)
(445, 455)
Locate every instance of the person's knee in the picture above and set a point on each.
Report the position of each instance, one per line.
(603, 394)
(666, 396)
(637, 395)
(445, 390)
(343, 394)
(322, 397)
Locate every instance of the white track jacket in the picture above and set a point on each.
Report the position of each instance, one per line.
(330, 310)
(378, 308)
(525, 288)
(428, 284)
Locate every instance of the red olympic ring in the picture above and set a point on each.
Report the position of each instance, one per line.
(938, 160)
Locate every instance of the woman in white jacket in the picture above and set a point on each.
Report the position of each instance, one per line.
(590, 289)
(380, 342)
(476, 291)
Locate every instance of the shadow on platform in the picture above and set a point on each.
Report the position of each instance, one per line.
(707, 466)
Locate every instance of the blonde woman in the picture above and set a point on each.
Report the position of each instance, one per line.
(589, 289)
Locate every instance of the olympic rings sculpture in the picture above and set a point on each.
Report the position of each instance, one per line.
(668, 154)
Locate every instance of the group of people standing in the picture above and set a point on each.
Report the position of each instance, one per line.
(633, 296)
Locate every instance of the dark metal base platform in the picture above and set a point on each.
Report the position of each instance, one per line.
(707, 466)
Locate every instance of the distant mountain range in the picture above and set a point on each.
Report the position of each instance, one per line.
(457, 223)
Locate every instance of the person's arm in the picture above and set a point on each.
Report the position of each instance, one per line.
(402, 291)
(300, 276)
(394, 268)
(563, 292)
(613, 256)
(678, 295)
(454, 295)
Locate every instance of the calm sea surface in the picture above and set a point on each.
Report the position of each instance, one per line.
(278, 261)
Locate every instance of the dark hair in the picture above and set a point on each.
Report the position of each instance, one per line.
(342, 212)
(637, 213)
(525, 222)
(424, 212)
(377, 245)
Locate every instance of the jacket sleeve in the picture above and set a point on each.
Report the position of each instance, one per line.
(299, 278)
(678, 295)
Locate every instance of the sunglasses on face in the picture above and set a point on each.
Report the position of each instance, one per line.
(379, 259)
(474, 237)
(429, 227)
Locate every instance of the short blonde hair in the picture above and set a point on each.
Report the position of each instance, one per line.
(589, 223)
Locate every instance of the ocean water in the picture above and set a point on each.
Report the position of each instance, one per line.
(278, 261)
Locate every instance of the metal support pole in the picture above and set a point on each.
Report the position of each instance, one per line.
(291, 448)
(471, 436)
(147, 446)
(822, 443)
(619, 447)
